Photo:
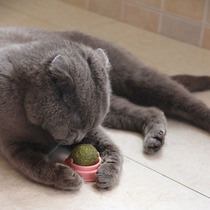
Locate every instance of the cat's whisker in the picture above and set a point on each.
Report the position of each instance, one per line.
(44, 124)
(47, 155)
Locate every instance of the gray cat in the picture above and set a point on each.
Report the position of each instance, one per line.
(55, 89)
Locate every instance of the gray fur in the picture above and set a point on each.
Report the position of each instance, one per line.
(55, 90)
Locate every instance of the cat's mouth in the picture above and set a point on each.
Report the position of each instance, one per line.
(71, 141)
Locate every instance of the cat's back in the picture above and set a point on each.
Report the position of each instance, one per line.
(19, 35)
(11, 36)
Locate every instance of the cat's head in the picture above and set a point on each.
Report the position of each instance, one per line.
(70, 96)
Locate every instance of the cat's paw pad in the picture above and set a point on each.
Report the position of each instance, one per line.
(107, 176)
(67, 178)
(154, 141)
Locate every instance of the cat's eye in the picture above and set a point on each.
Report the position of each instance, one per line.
(71, 131)
(54, 79)
(89, 62)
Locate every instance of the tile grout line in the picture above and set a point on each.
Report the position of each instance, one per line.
(142, 6)
(122, 11)
(161, 17)
(203, 22)
(165, 12)
(87, 5)
(168, 177)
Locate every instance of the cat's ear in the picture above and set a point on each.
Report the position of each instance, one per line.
(104, 56)
(59, 68)
(59, 64)
(60, 75)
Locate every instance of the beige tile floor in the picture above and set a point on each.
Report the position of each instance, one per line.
(178, 177)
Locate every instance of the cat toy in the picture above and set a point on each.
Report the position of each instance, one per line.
(85, 159)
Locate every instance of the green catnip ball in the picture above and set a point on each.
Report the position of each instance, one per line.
(84, 155)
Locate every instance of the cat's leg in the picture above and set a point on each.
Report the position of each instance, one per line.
(148, 121)
(109, 172)
(193, 83)
(33, 162)
(150, 88)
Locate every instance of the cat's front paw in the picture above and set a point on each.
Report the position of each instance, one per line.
(107, 176)
(154, 141)
(67, 178)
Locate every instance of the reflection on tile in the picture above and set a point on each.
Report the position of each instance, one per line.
(78, 3)
(141, 17)
(139, 188)
(206, 38)
(151, 3)
(167, 55)
(108, 8)
(193, 9)
(8, 17)
(181, 30)
(58, 13)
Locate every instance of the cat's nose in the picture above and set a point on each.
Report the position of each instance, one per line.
(73, 138)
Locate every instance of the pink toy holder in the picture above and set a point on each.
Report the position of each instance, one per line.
(87, 172)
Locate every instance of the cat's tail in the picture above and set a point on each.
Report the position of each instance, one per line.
(193, 83)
